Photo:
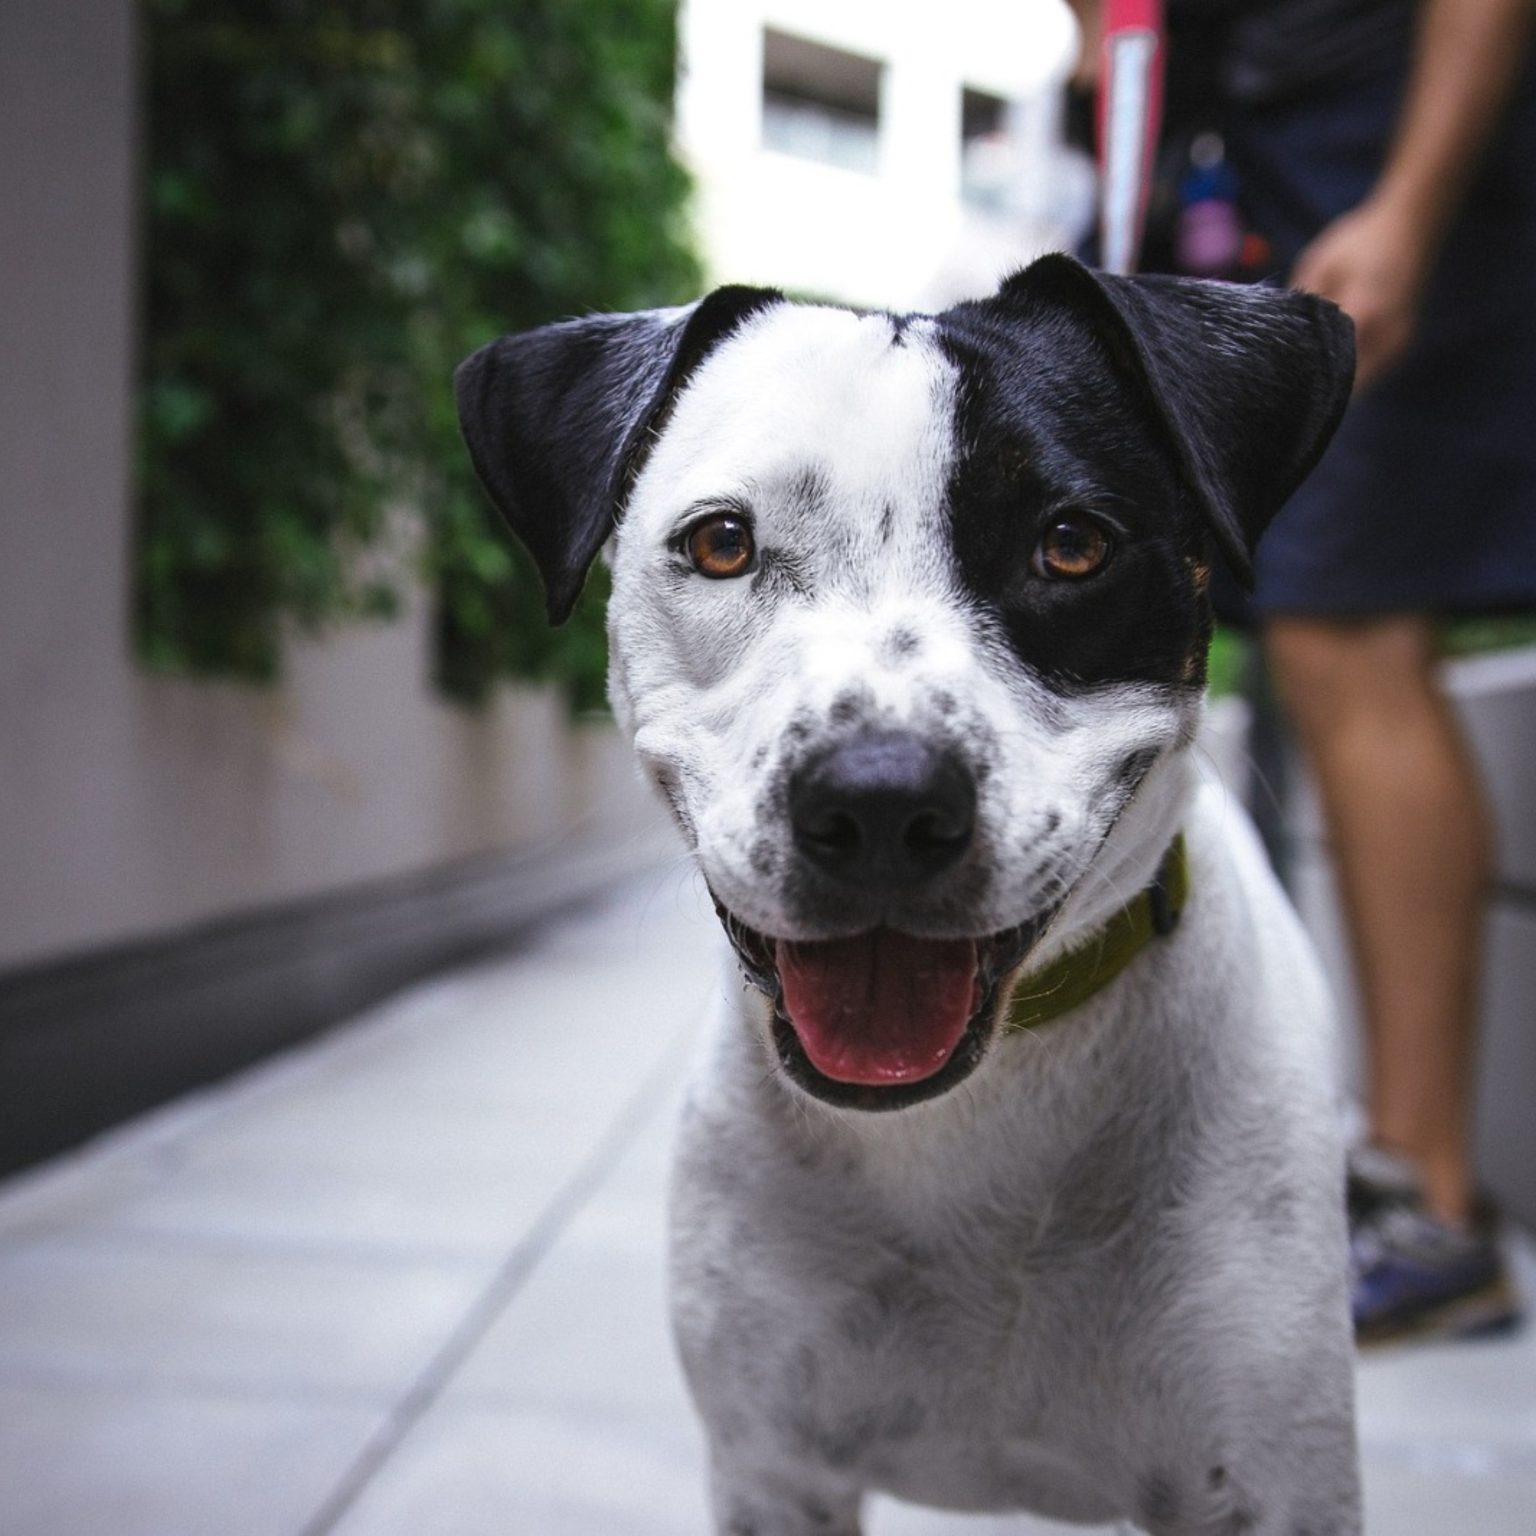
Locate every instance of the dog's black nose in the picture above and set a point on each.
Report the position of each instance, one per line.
(885, 809)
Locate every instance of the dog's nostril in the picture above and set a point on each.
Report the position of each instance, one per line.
(833, 831)
(883, 809)
(935, 832)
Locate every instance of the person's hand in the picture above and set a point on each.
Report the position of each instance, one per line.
(1372, 262)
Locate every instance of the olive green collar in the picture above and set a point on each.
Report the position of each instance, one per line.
(1084, 971)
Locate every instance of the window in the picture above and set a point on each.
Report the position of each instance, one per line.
(821, 103)
(985, 152)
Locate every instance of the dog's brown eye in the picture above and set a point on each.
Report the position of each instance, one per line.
(1072, 547)
(721, 546)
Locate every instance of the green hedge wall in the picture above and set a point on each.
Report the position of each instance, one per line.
(342, 200)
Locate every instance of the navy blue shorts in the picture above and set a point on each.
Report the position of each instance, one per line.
(1426, 500)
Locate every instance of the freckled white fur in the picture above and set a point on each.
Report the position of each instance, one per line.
(1102, 1278)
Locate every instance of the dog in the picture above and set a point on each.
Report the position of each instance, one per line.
(1010, 1177)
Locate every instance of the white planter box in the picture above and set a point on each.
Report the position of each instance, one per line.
(1496, 695)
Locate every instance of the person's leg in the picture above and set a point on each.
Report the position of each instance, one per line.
(1405, 811)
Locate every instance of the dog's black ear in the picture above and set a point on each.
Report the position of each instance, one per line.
(557, 421)
(1250, 382)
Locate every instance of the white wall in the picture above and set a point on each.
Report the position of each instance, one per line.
(130, 805)
(898, 238)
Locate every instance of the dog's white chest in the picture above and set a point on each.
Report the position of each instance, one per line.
(925, 1322)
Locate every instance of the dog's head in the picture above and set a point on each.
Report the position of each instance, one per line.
(909, 614)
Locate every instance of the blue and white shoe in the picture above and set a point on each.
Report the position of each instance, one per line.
(1414, 1276)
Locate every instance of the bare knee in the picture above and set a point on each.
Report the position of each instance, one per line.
(1330, 671)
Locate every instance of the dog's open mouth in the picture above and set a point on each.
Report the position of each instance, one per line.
(884, 1018)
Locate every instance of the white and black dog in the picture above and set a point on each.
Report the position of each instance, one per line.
(909, 623)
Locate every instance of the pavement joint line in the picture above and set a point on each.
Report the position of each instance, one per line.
(510, 1277)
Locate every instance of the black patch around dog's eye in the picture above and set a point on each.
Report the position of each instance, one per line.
(1049, 434)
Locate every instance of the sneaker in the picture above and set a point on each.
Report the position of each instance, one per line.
(1376, 1179)
(1414, 1276)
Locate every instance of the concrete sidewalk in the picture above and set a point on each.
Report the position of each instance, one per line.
(407, 1281)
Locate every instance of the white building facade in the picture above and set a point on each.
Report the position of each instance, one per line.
(874, 153)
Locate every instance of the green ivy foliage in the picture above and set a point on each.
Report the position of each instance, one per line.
(344, 198)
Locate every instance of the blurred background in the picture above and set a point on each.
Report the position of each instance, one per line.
(285, 744)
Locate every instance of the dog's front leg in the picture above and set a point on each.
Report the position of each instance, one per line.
(783, 1502)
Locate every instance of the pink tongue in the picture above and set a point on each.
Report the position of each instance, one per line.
(881, 1008)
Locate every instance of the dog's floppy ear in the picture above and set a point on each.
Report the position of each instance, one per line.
(1250, 382)
(557, 421)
